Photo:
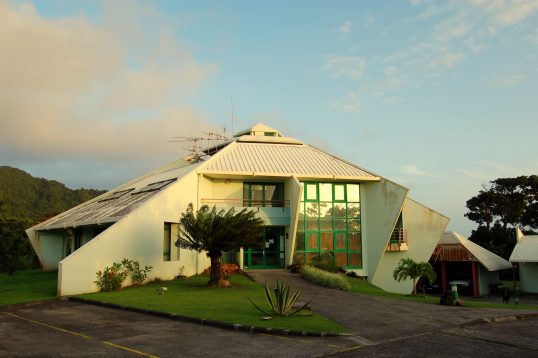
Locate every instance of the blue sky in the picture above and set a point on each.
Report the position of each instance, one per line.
(439, 96)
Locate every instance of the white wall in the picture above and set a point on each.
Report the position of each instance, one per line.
(295, 189)
(137, 236)
(485, 278)
(424, 229)
(528, 276)
(380, 206)
(48, 246)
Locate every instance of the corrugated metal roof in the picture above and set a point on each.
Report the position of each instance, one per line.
(487, 258)
(113, 205)
(526, 250)
(271, 159)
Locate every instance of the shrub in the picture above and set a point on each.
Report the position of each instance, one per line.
(138, 275)
(324, 278)
(112, 277)
(325, 261)
(282, 304)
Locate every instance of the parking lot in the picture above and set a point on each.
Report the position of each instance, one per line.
(61, 328)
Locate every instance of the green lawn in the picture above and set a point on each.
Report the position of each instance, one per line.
(27, 286)
(360, 286)
(192, 297)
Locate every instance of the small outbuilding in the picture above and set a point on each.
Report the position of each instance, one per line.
(458, 259)
(525, 254)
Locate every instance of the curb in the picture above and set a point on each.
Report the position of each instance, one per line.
(500, 319)
(209, 322)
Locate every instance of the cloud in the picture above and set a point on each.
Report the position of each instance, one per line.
(76, 90)
(506, 79)
(350, 67)
(345, 29)
(508, 12)
(445, 61)
(487, 170)
(413, 170)
(350, 103)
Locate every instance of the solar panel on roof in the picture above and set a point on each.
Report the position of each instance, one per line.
(154, 186)
(117, 194)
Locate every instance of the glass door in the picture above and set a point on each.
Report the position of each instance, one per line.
(271, 255)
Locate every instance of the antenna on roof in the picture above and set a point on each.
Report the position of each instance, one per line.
(202, 146)
(232, 103)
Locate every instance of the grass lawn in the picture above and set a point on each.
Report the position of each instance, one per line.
(360, 286)
(192, 297)
(27, 286)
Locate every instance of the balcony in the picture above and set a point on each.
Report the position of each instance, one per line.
(248, 203)
(398, 241)
(273, 212)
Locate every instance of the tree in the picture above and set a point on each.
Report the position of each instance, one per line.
(409, 268)
(501, 206)
(215, 231)
(16, 253)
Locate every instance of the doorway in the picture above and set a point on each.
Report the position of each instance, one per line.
(271, 255)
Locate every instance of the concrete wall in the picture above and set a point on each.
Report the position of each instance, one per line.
(424, 229)
(528, 276)
(138, 236)
(295, 193)
(485, 278)
(380, 206)
(49, 247)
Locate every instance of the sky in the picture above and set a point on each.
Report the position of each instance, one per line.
(439, 96)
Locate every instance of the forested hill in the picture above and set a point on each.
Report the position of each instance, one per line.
(24, 196)
(24, 202)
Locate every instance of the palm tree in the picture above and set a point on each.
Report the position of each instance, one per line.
(215, 231)
(408, 268)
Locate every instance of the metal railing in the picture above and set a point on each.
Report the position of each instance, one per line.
(248, 203)
(398, 240)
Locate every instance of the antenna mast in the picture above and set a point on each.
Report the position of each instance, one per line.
(232, 102)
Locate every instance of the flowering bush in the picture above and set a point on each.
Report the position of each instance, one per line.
(112, 278)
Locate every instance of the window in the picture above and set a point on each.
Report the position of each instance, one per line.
(169, 240)
(329, 220)
(263, 194)
(398, 232)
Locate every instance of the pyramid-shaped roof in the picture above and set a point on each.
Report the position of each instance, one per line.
(282, 160)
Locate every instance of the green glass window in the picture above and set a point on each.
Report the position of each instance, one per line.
(311, 192)
(263, 194)
(329, 220)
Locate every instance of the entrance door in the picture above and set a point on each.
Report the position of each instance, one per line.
(272, 253)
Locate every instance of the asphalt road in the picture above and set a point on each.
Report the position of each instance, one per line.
(64, 329)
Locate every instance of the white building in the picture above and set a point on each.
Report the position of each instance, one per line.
(525, 254)
(311, 201)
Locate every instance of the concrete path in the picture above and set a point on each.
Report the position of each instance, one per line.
(377, 319)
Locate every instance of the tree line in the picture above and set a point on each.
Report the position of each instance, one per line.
(501, 206)
(24, 202)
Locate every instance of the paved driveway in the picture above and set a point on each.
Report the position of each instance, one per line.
(379, 319)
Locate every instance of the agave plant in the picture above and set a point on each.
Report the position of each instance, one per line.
(281, 300)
